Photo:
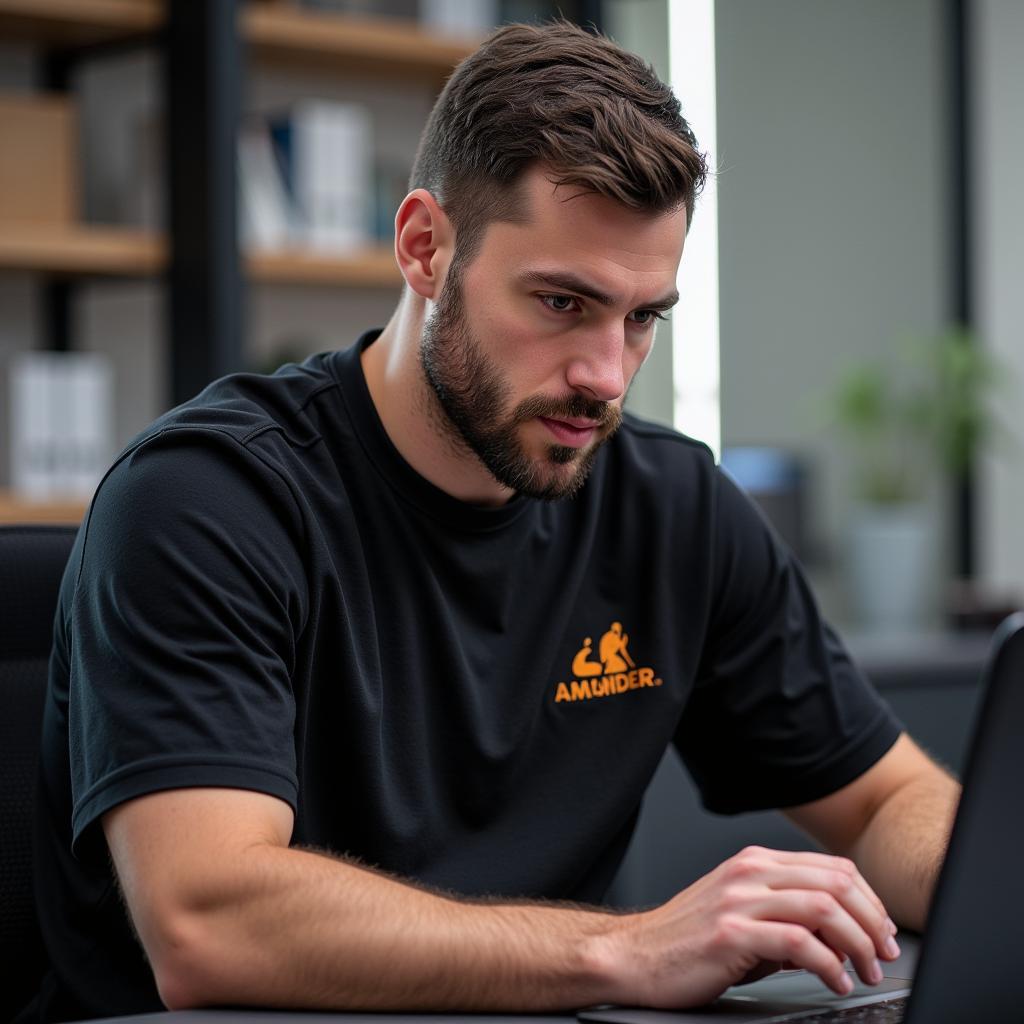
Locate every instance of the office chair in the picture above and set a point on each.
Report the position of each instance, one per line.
(32, 560)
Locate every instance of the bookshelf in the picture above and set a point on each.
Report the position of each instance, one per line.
(274, 32)
(207, 49)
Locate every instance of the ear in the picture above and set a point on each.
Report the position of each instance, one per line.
(424, 243)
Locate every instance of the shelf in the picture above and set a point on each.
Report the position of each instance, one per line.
(275, 32)
(15, 510)
(77, 22)
(88, 250)
(281, 33)
(81, 249)
(371, 268)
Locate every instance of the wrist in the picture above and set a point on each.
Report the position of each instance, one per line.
(607, 957)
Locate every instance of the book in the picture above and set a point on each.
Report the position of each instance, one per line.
(266, 217)
(324, 150)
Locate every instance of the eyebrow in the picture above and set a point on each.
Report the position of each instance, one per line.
(572, 283)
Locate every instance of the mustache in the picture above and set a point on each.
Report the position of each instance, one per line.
(572, 406)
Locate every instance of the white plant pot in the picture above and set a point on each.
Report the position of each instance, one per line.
(893, 566)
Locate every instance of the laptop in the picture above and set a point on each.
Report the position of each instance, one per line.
(972, 955)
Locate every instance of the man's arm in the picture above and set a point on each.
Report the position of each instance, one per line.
(228, 913)
(894, 822)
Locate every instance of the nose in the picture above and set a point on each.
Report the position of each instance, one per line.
(597, 367)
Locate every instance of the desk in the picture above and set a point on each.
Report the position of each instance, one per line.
(901, 968)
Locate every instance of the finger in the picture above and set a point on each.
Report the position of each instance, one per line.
(829, 862)
(845, 889)
(842, 868)
(841, 956)
(794, 944)
(762, 858)
(821, 913)
(757, 864)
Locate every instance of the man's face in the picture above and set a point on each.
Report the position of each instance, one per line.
(532, 346)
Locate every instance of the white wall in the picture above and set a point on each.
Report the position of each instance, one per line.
(833, 200)
(641, 26)
(997, 212)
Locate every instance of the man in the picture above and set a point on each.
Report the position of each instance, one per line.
(313, 738)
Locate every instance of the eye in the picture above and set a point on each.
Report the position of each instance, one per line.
(648, 317)
(559, 303)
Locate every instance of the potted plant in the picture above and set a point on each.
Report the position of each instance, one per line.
(911, 422)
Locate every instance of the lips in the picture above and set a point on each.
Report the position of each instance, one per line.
(573, 432)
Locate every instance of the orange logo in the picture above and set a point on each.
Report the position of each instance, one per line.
(613, 671)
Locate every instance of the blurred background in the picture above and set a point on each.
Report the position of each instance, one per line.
(188, 189)
(191, 188)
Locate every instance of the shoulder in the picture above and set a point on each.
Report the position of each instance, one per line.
(647, 442)
(646, 454)
(229, 456)
(668, 442)
(666, 475)
(243, 427)
(244, 406)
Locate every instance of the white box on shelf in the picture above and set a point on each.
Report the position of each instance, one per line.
(61, 423)
(31, 425)
(90, 382)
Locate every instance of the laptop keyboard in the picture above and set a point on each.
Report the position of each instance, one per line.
(890, 1011)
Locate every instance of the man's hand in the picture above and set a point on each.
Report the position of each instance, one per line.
(758, 912)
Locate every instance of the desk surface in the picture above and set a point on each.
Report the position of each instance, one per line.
(901, 968)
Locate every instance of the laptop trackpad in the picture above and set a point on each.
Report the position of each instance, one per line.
(773, 998)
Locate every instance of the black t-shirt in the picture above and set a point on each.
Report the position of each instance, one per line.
(265, 595)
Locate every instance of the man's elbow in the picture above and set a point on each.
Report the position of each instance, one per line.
(190, 966)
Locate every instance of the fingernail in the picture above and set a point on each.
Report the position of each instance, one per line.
(845, 984)
(875, 973)
(891, 948)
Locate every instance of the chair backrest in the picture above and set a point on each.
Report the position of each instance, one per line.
(32, 560)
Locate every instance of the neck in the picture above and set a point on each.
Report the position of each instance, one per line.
(412, 416)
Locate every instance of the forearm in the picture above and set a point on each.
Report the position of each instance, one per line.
(300, 929)
(902, 849)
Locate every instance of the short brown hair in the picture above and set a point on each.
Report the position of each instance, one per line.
(554, 94)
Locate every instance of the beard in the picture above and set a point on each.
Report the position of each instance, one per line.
(472, 395)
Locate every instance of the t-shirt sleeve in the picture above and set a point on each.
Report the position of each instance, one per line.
(182, 627)
(780, 715)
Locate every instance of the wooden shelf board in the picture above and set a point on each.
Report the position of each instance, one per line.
(81, 249)
(14, 509)
(274, 32)
(279, 32)
(77, 22)
(126, 252)
(373, 268)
